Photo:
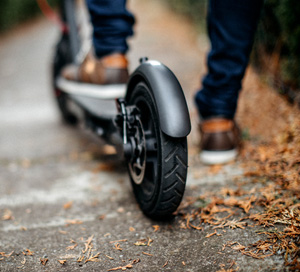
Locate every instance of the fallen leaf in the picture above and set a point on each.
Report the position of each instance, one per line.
(101, 217)
(125, 267)
(93, 258)
(118, 247)
(148, 254)
(156, 228)
(238, 247)
(7, 215)
(120, 210)
(211, 234)
(68, 205)
(111, 258)
(73, 222)
(43, 261)
(28, 252)
(71, 247)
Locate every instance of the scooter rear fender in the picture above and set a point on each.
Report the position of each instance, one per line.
(171, 104)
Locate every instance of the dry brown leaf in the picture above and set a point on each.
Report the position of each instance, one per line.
(233, 224)
(68, 205)
(140, 243)
(246, 205)
(6, 255)
(156, 228)
(7, 215)
(93, 258)
(80, 259)
(62, 262)
(102, 217)
(165, 264)
(88, 244)
(125, 267)
(211, 234)
(43, 261)
(28, 252)
(149, 241)
(118, 247)
(120, 210)
(71, 247)
(143, 242)
(111, 258)
(73, 222)
(148, 254)
(238, 247)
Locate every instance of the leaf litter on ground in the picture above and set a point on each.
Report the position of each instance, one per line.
(272, 170)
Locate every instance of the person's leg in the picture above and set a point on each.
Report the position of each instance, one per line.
(231, 29)
(106, 64)
(112, 24)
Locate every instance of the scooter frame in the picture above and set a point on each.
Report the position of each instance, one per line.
(153, 86)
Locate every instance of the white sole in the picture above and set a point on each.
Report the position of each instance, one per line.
(218, 157)
(110, 91)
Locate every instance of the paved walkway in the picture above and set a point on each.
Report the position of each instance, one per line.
(65, 197)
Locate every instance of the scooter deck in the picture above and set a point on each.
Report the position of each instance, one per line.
(98, 100)
(110, 91)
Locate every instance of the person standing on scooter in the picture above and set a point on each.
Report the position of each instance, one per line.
(231, 29)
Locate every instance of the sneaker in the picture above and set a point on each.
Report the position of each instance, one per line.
(104, 78)
(219, 141)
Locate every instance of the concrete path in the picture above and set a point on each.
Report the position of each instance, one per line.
(65, 199)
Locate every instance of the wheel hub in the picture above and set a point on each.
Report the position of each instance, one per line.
(134, 141)
(137, 163)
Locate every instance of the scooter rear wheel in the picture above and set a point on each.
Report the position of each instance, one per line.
(159, 182)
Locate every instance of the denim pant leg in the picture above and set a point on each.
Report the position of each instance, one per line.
(231, 29)
(112, 24)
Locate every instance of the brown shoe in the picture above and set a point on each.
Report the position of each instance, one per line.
(111, 69)
(104, 78)
(219, 141)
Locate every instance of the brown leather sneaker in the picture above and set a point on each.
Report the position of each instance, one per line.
(111, 69)
(103, 78)
(219, 141)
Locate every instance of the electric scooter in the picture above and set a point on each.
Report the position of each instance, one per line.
(148, 117)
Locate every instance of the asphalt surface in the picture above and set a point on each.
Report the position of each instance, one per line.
(65, 194)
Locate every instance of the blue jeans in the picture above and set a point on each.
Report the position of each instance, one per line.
(112, 24)
(231, 29)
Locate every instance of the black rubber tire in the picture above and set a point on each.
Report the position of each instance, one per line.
(162, 188)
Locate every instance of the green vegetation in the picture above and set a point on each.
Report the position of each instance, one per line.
(277, 45)
(194, 9)
(12, 12)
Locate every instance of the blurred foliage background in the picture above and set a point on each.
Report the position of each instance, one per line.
(276, 51)
(13, 12)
